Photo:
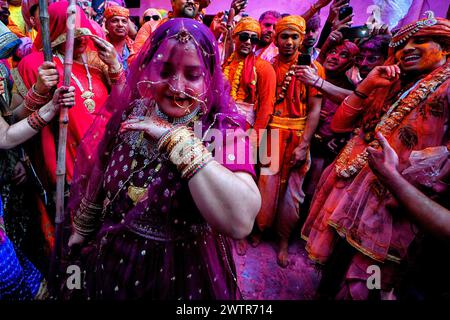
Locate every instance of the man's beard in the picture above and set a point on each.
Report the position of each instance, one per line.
(263, 40)
(188, 12)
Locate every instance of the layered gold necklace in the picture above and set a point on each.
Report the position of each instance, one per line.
(87, 95)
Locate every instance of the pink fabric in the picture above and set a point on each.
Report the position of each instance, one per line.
(360, 208)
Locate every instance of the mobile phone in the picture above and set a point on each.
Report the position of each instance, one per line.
(345, 12)
(304, 60)
(225, 16)
(355, 32)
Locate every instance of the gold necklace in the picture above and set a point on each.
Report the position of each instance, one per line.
(87, 95)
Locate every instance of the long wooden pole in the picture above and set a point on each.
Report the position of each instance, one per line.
(45, 30)
(62, 140)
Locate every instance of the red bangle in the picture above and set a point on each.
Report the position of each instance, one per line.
(36, 121)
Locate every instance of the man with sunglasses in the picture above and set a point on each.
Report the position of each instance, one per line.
(295, 118)
(253, 82)
(116, 23)
(151, 15)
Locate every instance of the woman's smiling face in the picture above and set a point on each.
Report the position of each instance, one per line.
(179, 77)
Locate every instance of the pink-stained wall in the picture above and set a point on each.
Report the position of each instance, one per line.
(256, 7)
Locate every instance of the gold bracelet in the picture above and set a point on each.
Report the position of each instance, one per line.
(200, 163)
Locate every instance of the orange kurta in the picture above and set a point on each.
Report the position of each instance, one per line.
(273, 181)
(264, 86)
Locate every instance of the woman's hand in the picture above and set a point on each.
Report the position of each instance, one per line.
(381, 76)
(63, 97)
(106, 52)
(307, 74)
(153, 125)
(76, 239)
(48, 77)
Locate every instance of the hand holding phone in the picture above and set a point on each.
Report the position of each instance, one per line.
(345, 12)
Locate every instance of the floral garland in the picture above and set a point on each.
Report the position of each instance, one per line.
(390, 121)
(237, 76)
(286, 82)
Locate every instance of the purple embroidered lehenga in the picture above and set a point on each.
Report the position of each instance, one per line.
(159, 247)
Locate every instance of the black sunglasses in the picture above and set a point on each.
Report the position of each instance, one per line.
(243, 37)
(154, 17)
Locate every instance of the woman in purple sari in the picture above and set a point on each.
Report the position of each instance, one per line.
(158, 205)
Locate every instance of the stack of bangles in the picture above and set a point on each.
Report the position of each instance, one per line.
(36, 121)
(116, 76)
(185, 150)
(317, 80)
(33, 100)
(87, 218)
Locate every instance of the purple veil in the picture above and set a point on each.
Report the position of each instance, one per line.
(219, 110)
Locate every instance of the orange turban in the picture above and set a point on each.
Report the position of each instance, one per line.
(116, 11)
(296, 23)
(247, 24)
(428, 27)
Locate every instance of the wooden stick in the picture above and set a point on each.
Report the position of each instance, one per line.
(62, 143)
(44, 19)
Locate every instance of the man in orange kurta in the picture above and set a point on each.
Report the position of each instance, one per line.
(253, 82)
(292, 124)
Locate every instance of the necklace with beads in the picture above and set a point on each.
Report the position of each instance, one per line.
(390, 121)
(286, 82)
(87, 95)
(237, 76)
